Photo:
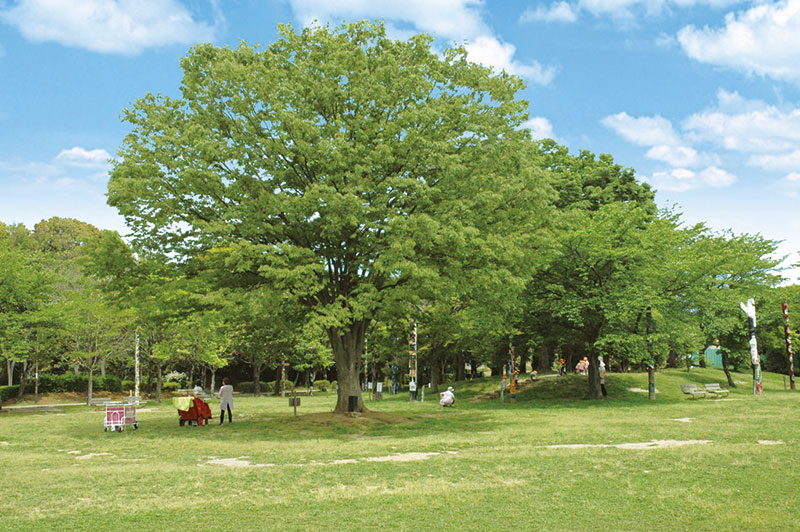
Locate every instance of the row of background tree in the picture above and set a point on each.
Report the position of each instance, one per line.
(72, 297)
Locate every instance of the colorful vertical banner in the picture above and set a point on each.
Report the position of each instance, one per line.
(412, 353)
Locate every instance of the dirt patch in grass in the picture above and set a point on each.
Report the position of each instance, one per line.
(234, 462)
(398, 457)
(655, 444)
(92, 455)
(770, 442)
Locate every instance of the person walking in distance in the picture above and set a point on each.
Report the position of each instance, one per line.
(225, 400)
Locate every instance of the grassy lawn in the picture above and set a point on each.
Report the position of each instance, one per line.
(483, 465)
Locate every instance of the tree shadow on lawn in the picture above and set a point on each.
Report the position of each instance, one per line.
(318, 425)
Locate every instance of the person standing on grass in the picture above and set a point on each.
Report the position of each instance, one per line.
(602, 368)
(225, 401)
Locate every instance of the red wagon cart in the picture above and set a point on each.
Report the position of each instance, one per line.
(192, 409)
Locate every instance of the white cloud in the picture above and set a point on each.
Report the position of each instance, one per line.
(643, 131)
(789, 161)
(540, 127)
(716, 177)
(749, 126)
(490, 52)
(452, 20)
(625, 9)
(107, 26)
(673, 155)
(557, 12)
(683, 179)
(794, 177)
(81, 157)
(761, 40)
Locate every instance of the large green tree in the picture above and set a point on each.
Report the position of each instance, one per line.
(338, 164)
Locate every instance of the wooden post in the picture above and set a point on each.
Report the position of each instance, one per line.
(651, 369)
(788, 335)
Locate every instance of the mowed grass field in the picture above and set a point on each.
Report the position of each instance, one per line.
(550, 461)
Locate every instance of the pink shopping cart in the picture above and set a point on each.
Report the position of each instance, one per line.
(119, 415)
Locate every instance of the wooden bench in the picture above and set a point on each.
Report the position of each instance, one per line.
(692, 390)
(100, 401)
(715, 390)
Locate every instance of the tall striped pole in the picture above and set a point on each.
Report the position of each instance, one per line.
(787, 332)
(137, 376)
(511, 376)
(750, 310)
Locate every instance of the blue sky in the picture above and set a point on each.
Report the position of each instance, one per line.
(700, 97)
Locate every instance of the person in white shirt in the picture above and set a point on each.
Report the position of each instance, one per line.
(198, 389)
(447, 397)
(225, 401)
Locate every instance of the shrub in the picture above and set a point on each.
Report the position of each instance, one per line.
(322, 385)
(127, 386)
(176, 376)
(7, 392)
(248, 387)
(109, 383)
(170, 386)
(334, 385)
(68, 382)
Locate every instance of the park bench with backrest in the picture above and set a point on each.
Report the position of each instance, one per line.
(715, 390)
(692, 390)
(100, 401)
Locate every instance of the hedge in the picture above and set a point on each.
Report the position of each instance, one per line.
(322, 385)
(248, 387)
(8, 392)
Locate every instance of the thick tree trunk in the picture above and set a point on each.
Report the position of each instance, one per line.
(460, 369)
(595, 390)
(544, 359)
(725, 368)
(213, 380)
(436, 367)
(435, 376)
(89, 389)
(257, 366)
(10, 367)
(159, 382)
(103, 367)
(347, 348)
(23, 378)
